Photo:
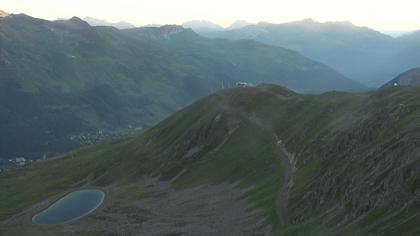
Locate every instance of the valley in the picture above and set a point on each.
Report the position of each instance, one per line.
(305, 128)
(360, 53)
(65, 84)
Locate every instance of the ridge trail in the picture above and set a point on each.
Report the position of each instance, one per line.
(288, 163)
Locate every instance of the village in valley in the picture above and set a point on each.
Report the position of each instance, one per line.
(89, 138)
(17, 162)
(80, 140)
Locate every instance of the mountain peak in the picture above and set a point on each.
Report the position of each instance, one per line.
(99, 22)
(75, 22)
(238, 24)
(3, 14)
(76, 19)
(163, 32)
(202, 26)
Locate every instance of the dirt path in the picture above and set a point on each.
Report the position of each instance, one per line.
(288, 162)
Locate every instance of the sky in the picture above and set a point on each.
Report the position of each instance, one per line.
(383, 15)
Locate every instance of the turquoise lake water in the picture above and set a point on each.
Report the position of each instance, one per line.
(72, 206)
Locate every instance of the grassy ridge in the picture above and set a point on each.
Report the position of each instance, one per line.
(357, 162)
(231, 150)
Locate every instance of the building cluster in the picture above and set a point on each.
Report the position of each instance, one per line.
(89, 138)
(81, 139)
(244, 84)
(20, 161)
(97, 137)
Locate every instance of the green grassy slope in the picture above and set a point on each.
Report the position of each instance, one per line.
(356, 159)
(208, 143)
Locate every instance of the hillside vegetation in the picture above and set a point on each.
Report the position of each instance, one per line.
(64, 84)
(330, 164)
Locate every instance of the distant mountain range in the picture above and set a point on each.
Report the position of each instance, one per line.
(204, 26)
(97, 22)
(238, 24)
(227, 151)
(360, 53)
(64, 83)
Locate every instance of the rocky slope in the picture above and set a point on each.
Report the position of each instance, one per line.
(330, 164)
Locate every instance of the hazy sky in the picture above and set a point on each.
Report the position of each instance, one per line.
(384, 15)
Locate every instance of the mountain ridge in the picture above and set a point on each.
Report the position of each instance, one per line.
(98, 22)
(360, 53)
(350, 174)
(202, 26)
(90, 81)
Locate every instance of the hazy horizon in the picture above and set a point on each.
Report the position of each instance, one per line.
(382, 16)
(393, 33)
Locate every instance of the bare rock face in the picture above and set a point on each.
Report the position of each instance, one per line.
(3, 14)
